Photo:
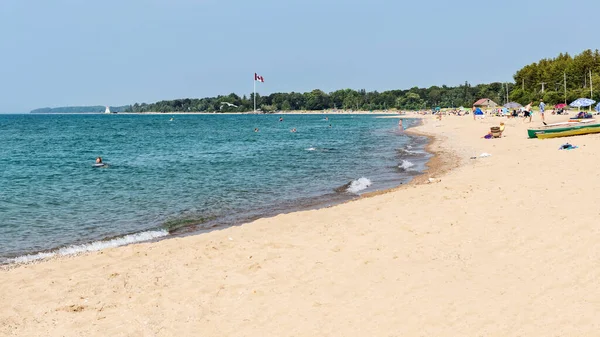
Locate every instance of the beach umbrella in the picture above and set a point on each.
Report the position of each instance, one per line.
(560, 105)
(512, 105)
(582, 102)
(598, 107)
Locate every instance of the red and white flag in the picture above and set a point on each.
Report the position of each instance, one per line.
(258, 78)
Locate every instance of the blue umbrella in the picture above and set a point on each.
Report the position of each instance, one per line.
(598, 107)
(582, 102)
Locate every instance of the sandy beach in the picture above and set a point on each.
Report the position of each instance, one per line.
(503, 245)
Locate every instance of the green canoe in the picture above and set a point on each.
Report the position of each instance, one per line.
(561, 128)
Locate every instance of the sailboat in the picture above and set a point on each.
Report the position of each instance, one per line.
(107, 111)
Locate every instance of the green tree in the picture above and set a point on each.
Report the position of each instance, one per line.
(411, 101)
(317, 100)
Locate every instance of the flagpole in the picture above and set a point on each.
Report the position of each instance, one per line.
(591, 90)
(254, 93)
(565, 84)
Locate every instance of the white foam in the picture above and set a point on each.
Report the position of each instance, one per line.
(413, 153)
(92, 247)
(406, 165)
(310, 149)
(359, 185)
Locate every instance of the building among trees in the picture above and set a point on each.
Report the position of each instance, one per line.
(485, 103)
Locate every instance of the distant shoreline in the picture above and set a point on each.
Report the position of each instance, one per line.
(298, 112)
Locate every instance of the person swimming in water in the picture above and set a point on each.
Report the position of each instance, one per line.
(293, 130)
(281, 119)
(99, 163)
(256, 130)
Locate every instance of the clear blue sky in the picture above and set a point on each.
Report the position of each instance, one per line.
(116, 52)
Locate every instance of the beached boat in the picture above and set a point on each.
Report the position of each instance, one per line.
(564, 130)
(582, 130)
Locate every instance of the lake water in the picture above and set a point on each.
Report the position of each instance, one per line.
(173, 177)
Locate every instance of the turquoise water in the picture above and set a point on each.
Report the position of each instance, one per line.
(182, 176)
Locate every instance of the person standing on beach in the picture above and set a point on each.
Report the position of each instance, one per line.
(473, 112)
(527, 112)
(542, 109)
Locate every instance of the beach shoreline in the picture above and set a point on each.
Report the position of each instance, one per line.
(440, 162)
(483, 248)
(295, 112)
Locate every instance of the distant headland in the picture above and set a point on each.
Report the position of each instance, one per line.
(80, 109)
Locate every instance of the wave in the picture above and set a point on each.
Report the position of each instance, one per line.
(358, 185)
(321, 149)
(92, 247)
(410, 153)
(406, 165)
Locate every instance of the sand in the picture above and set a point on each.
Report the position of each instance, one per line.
(505, 245)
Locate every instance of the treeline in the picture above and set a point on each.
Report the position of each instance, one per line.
(578, 73)
(347, 99)
(80, 109)
(554, 74)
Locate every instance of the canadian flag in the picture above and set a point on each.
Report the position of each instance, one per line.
(258, 78)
